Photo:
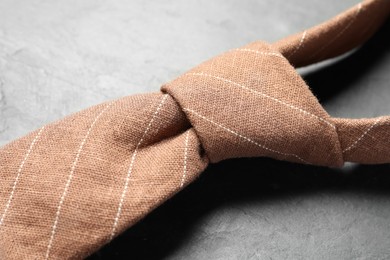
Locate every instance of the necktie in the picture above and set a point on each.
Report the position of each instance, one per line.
(72, 186)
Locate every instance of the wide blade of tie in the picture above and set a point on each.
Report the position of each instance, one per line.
(71, 186)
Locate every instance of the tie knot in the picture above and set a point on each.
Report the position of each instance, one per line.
(251, 102)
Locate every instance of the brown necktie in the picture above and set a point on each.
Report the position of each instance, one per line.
(71, 186)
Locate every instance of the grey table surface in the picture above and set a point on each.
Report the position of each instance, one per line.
(58, 57)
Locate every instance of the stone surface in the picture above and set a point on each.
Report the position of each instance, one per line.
(57, 57)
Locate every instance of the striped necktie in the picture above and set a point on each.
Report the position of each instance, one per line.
(71, 186)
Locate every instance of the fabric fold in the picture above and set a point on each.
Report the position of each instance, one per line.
(72, 186)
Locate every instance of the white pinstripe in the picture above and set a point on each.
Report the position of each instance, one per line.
(359, 8)
(133, 158)
(185, 160)
(20, 169)
(264, 95)
(242, 136)
(260, 52)
(362, 136)
(68, 181)
(299, 45)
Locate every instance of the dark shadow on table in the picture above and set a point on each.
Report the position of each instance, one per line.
(233, 182)
(257, 179)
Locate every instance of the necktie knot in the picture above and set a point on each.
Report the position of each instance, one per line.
(251, 102)
(73, 185)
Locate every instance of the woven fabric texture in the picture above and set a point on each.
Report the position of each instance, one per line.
(71, 186)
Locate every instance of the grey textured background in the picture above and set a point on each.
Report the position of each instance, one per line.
(57, 57)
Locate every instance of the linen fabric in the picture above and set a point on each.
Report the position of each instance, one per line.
(71, 186)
